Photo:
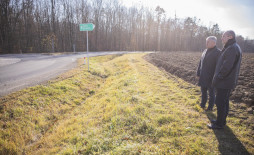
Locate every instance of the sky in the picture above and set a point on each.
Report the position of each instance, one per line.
(237, 15)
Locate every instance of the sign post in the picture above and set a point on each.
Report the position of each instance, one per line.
(87, 27)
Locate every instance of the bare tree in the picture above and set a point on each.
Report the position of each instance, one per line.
(30, 25)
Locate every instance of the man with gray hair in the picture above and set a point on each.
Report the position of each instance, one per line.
(225, 77)
(206, 70)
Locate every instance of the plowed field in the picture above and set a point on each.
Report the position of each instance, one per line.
(184, 65)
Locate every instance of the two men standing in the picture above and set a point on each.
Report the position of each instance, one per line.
(225, 77)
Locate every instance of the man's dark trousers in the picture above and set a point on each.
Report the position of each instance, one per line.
(204, 97)
(222, 103)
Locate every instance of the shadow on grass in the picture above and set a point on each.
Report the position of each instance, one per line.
(228, 142)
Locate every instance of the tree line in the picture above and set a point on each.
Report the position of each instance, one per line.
(53, 26)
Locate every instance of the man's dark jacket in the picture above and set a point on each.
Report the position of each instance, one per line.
(207, 66)
(228, 66)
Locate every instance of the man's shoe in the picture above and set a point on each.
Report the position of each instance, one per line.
(214, 126)
(202, 107)
(213, 121)
(208, 109)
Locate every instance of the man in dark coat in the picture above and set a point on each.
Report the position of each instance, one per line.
(225, 77)
(206, 70)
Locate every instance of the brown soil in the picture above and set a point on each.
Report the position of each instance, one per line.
(184, 65)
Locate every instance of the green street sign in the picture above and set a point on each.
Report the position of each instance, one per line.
(86, 27)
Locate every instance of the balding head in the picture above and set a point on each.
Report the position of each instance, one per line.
(227, 35)
(230, 33)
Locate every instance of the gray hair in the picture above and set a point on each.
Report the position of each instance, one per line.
(231, 33)
(213, 38)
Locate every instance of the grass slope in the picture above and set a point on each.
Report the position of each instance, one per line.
(124, 105)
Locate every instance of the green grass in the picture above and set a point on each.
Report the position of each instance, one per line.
(124, 105)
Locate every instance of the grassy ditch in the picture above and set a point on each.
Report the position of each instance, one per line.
(124, 105)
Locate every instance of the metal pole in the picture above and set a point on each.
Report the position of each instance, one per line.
(87, 49)
(53, 50)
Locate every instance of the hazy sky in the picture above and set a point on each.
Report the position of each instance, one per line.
(237, 15)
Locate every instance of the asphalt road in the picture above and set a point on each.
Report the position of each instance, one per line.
(19, 71)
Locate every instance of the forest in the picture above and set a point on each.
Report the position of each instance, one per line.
(37, 26)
